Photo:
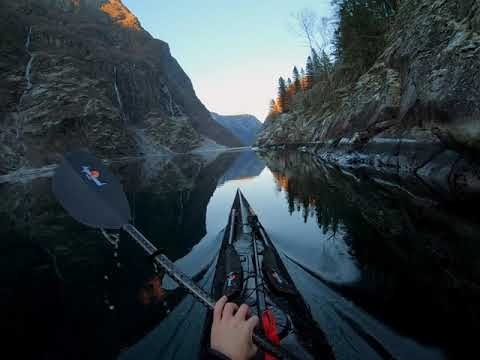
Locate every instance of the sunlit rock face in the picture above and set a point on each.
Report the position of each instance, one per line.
(84, 73)
(423, 89)
(120, 14)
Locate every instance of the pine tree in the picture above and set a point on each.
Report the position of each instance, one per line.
(290, 90)
(361, 33)
(296, 80)
(282, 95)
(309, 74)
(325, 63)
(273, 107)
(316, 62)
(302, 78)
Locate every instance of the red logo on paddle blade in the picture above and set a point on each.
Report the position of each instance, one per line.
(92, 175)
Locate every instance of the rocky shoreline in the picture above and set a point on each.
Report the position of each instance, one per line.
(446, 172)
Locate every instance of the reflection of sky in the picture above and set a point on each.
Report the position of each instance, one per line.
(326, 255)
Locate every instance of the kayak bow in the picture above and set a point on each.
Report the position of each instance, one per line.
(250, 270)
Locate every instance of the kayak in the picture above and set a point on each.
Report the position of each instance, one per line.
(250, 270)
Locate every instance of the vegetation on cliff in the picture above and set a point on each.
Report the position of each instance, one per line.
(414, 110)
(359, 36)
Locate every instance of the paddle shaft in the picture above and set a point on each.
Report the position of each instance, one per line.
(200, 294)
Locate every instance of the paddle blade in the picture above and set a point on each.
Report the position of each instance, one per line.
(90, 192)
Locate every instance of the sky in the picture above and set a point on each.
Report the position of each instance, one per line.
(233, 51)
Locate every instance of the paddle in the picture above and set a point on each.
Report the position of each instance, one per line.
(95, 197)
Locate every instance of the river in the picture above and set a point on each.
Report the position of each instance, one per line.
(388, 267)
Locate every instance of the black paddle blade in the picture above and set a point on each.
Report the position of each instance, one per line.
(90, 192)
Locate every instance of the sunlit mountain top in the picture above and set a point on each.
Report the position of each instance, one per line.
(121, 14)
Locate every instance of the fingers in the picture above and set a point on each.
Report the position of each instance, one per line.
(242, 312)
(218, 309)
(229, 310)
(252, 324)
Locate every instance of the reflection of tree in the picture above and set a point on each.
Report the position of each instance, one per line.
(403, 244)
(313, 197)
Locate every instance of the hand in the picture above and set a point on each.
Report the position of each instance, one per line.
(231, 331)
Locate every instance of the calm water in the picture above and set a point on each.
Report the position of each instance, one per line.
(388, 268)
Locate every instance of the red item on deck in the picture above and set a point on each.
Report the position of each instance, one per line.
(270, 328)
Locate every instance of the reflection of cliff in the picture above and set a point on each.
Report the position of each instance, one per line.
(246, 165)
(417, 254)
(176, 219)
(58, 275)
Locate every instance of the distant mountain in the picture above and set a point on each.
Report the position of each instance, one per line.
(245, 127)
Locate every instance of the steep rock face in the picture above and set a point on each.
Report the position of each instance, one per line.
(418, 103)
(85, 73)
(245, 127)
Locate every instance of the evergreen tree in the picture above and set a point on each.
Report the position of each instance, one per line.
(309, 74)
(282, 95)
(296, 80)
(316, 62)
(273, 107)
(290, 90)
(361, 32)
(326, 64)
(302, 78)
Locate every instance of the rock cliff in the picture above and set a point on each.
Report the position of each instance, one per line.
(417, 110)
(85, 73)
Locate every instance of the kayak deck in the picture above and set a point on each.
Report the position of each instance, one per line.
(249, 270)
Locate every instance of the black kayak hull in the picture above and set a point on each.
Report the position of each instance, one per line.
(250, 270)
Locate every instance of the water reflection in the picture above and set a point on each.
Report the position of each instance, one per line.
(387, 269)
(68, 292)
(417, 268)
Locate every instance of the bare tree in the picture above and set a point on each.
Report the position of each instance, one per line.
(316, 31)
(304, 25)
(325, 29)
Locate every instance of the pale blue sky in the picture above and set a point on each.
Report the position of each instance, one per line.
(233, 51)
